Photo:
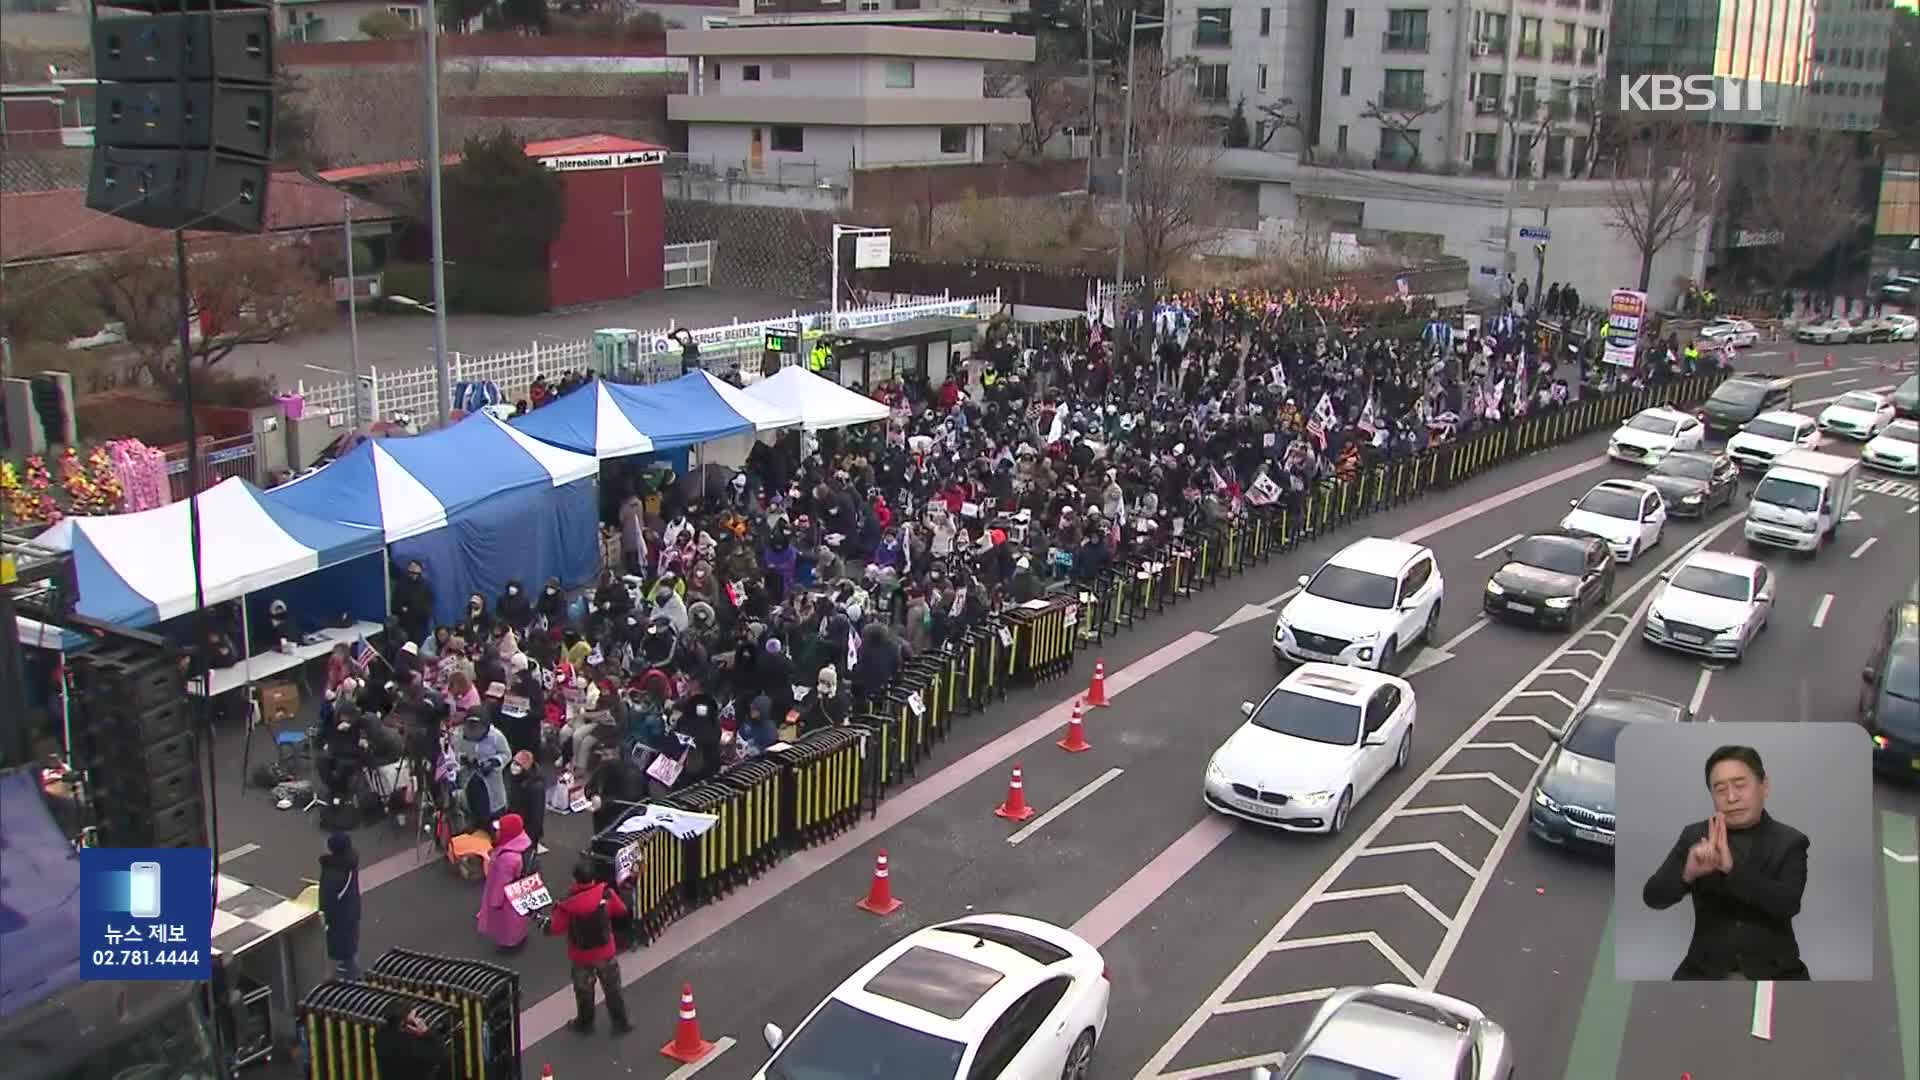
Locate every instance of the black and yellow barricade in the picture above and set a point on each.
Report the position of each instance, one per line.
(1232, 539)
(648, 869)
(825, 784)
(900, 701)
(1036, 627)
(999, 655)
(343, 1023)
(1088, 623)
(716, 860)
(891, 755)
(926, 676)
(946, 663)
(487, 997)
(1115, 587)
(969, 650)
(759, 783)
(1267, 531)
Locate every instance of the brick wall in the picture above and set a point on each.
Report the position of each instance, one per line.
(1017, 282)
(29, 124)
(883, 190)
(407, 50)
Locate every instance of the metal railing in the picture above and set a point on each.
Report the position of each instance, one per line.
(1402, 42)
(220, 459)
(689, 265)
(1528, 50)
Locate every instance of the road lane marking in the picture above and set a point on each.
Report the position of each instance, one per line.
(685, 1072)
(1699, 691)
(1275, 1001)
(1125, 903)
(1499, 547)
(1847, 382)
(552, 1012)
(1762, 1011)
(1601, 1030)
(1864, 545)
(1910, 860)
(242, 850)
(1494, 502)
(1902, 884)
(1442, 767)
(1067, 804)
(1820, 613)
(1239, 1065)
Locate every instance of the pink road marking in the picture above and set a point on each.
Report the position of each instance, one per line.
(552, 1012)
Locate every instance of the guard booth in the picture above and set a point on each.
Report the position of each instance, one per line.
(926, 346)
(781, 348)
(616, 353)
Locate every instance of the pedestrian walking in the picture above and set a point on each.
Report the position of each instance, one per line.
(586, 918)
(512, 859)
(340, 904)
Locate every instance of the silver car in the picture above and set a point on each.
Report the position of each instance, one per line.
(1390, 1030)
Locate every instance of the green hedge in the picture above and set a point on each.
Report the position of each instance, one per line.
(477, 289)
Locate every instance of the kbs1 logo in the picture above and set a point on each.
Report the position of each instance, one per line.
(1688, 93)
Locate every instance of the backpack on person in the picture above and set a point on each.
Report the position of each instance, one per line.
(592, 932)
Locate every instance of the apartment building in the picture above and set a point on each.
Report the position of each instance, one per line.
(1259, 57)
(815, 102)
(933, 14)
(1819, 63)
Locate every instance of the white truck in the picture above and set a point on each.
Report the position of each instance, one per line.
(1801, 501)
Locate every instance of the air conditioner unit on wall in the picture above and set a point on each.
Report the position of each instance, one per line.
(1481, 48)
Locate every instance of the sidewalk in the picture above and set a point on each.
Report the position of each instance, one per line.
(403, 341)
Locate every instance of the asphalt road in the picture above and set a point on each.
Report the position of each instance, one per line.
(1221, 935)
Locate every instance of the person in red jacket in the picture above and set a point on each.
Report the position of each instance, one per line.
(586, 918)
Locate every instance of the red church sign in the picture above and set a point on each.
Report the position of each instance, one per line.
(624, 159)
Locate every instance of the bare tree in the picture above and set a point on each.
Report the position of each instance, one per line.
(1594, 124)
(1800, 199)
(1528, 121)
(1173, 191)
(1054, 100)
(1282, 114)
(245, 290)
(1399, 116)
(1667, 186)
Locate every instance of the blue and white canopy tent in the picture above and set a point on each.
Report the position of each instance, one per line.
(613, 420)
(137, 569)
(478, 504)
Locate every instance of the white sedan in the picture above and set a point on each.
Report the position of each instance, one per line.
(1652, 434)
(1900, 328)
(1630, 516)
(1859, 414)
(1738, 333)
(986, 995)
(1712, 605)
(1897, 450)
(1321, 740)
(1771, 434)
(1831, 332)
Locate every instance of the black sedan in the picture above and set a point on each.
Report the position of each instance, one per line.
(1551, 579)
(1696, 482)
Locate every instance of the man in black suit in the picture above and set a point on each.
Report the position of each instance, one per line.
(1746, 873)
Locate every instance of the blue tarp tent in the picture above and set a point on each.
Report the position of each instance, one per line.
(478, 504)
(39, 898)
(137, 569)
(611, 420)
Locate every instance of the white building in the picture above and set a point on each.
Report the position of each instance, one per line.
(1460, 86)
(960, 14)
(797, 102)
(337, 20)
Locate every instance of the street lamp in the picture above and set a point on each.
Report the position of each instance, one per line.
(410, 302)
(1134, 27)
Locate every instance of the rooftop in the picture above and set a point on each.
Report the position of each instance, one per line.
(43, 225)
(906, 42)
(546, 148)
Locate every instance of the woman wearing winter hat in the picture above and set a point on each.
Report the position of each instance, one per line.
(497, 920)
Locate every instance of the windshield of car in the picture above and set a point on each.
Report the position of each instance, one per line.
(1903, 672)
(1610, 503)
(1771, 429)
(1792, 494)
(1349, 586)
(1657, 425)
(1336, 723)
(1687, 468)
(1745, 394)
(844, 1043)
(1904, 432)
(1710, 582)
(1557, 556)
(1863, 402)
(1320, 1068)
(1594, 736)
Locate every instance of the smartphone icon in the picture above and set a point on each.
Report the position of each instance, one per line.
(143, 892)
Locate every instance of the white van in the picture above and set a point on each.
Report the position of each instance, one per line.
(1801, 501)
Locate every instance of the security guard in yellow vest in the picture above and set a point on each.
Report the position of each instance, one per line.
(1693, 356)
(821, 356)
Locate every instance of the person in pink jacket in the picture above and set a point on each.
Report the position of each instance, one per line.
(512, 850)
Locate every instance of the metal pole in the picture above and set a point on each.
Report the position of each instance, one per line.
(438, 223)
(1540, 259)
(353, 309)
(1093, 97)
(834, 303)
(1126, 170)
(193, 429)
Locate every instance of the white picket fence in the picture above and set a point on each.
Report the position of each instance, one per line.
(388, 392)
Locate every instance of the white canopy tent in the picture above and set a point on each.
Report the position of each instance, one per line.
(767, 418)
(821, 403)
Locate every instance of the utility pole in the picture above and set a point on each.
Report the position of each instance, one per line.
(1126, 169)
(441, 369)
(1093, 97)
(353, 308)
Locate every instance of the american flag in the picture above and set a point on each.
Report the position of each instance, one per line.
(362, 655)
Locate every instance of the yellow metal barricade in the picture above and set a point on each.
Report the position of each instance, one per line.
(343, 1022)
(825, 782)
(487, 997)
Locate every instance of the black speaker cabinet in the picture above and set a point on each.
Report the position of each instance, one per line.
(232, 117)
(193, 46)
(205, 190)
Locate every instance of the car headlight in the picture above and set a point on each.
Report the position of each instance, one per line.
(1214, 771)
(1361, 639)
(1655, 620)
(1314, 798)
(1558, 602)
(1494, 588)
(1690, 500)
(1544, 800)
(1728, 634)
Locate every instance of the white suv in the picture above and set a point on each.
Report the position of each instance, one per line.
(1369, 603)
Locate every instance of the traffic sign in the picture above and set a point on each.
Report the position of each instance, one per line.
(1535, 232)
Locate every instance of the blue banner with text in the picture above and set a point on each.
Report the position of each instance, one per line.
(146, 913)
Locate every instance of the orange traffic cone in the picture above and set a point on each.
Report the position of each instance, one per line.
(1015, 808)
(1097, 690)
(879, 899)
(1076, 740)
(546, 1072)
(687, 1046)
